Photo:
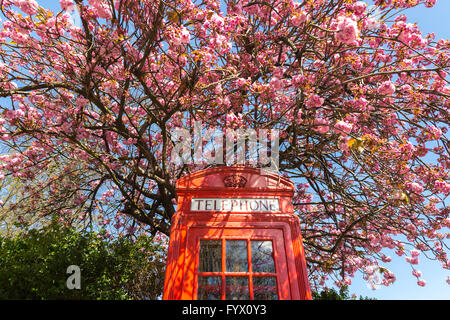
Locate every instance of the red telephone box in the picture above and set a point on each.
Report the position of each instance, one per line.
(235, 237)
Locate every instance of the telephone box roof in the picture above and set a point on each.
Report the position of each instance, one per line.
(234, 177)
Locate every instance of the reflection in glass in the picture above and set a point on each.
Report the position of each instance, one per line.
(265, 288)
(236, 256)
(262, 256)
(209, 288)
(237, 288)
(210, 259)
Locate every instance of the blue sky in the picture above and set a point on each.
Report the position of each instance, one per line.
(429, 20)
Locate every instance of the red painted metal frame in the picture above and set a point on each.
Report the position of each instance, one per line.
(242, 234)
(189, 226)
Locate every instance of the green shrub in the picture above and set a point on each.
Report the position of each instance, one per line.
(34, 265)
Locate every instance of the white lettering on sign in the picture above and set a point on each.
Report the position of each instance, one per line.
(235, 205)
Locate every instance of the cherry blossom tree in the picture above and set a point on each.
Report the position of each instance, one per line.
(359, 95)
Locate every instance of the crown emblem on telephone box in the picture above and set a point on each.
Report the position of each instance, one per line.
(234, 181)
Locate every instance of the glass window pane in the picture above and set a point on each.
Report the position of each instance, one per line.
(209, 288)
(265, 288)
(236, 256)
(237, 288)
(262, 256)
(210, 259)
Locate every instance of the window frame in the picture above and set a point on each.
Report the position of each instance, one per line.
(247, 234)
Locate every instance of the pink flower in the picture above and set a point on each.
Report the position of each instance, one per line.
(430, 3)
(414, 253)
(414, 260)
(299, 18)
(241, 82)
(102, 8)
(343, 144)
(421, 282)
(299, 116)
(184, 35)
(410, 227)
(389, 276)
(217, 20)
(442, 186)
(347, 31)
(417, 273)
(314, 101)
(299, 79)
(361, 104)
(67, 5)
(221, 43)
(405, 89)
(359, 8)
(398, 195)
(435, 132)
(386, 88)
(343, 127)
(230, 117)
(181, 37)
(28, 6)
(218, 89)
(321, 125)
(399, 252)
(276, 83)
(415, 187)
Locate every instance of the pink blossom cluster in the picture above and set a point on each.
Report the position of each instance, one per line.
(67, 5)
(417, 273)
(421, 282)
(321, 125)
(430, 3)
(358, 8)
(314, 101)
(404, 3)
(442, 186)
(234, 121)
(388, 277)
(28, 6)
(298, 18)
(343, 144)
(408, 33)
(386, 88)
(435, 133)
(180, 36)
(347, 31)
(101, 8)
(343, 127)
(415, 187)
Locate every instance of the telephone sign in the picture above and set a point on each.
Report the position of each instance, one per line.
(235, 205)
